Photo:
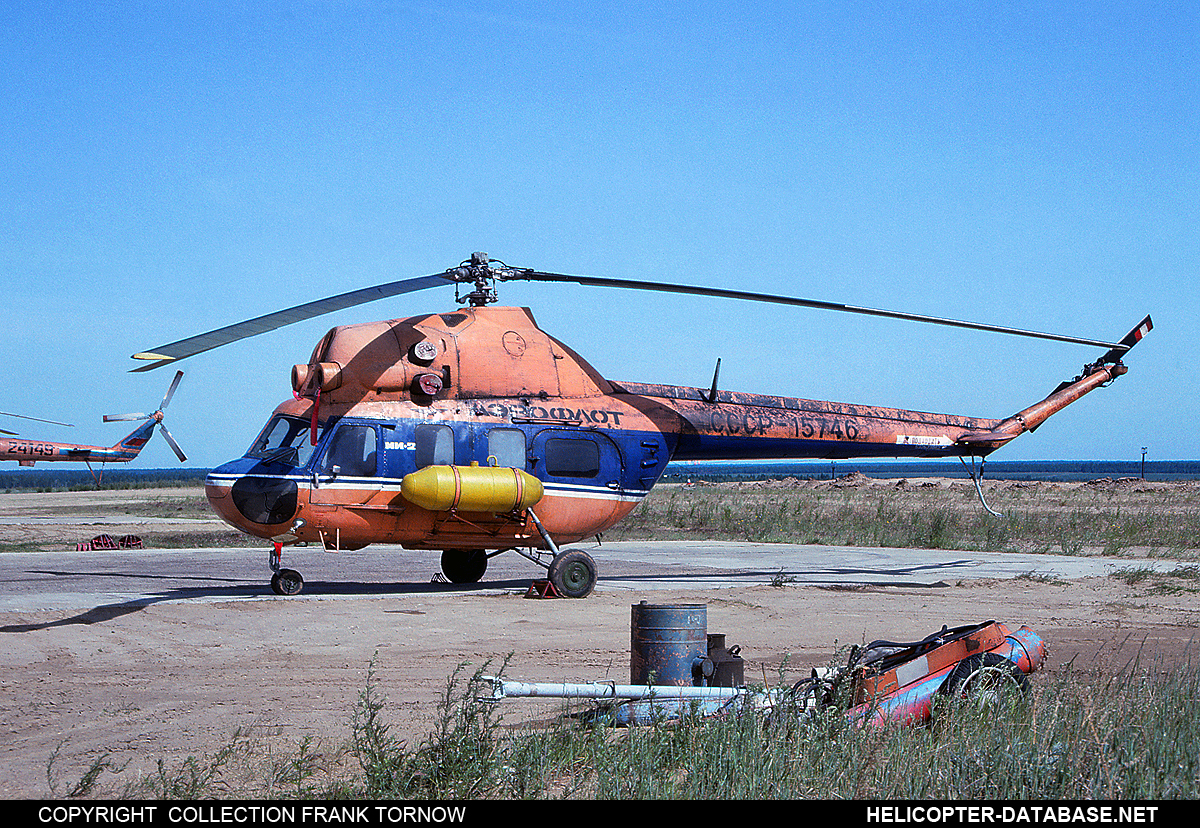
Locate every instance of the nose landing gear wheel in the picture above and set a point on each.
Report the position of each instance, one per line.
(573, 574)
(287, 582)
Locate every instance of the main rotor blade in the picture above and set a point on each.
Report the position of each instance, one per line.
(252, 327)
(597, 281)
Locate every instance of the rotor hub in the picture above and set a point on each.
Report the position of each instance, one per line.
(479, 272)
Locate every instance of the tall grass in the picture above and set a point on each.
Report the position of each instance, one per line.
(1133, 735)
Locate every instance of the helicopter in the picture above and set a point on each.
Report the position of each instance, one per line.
(28, 452)
(473, 432)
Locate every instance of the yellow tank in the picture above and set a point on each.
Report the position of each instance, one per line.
(472, 488)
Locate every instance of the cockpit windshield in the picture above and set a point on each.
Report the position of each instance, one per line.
(284, 440)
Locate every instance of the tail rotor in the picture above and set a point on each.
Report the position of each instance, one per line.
(158, 416)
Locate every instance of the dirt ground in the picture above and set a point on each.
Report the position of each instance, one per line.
(173, 680)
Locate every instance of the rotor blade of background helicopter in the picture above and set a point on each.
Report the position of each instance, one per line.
(536, 276)
(36, 420)
(191, 346)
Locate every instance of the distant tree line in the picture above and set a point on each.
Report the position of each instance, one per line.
(65, 480)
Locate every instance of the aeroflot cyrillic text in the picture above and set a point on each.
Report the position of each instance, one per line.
(594, 416)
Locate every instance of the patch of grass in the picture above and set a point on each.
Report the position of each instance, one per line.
(1071, 521)
(87, 782)
(1133, 575)
(27, 546)
(1038, 578)
(460, 759)
(244, 766)
(781, 579)
(1182, 579)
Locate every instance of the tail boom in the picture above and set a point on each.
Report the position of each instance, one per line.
(725, 425)
(739, 426)
(984, 442)
(28, 452)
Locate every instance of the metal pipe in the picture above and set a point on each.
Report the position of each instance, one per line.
(607, 690)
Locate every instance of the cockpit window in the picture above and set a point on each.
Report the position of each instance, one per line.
(284, 440)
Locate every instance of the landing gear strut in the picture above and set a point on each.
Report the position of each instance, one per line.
(284, 581)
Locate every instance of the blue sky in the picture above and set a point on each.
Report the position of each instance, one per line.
(175, 167)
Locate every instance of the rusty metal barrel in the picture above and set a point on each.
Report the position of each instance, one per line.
(668, 644)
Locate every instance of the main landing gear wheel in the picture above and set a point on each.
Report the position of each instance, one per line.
(464, 566)
(287, 582)
(573, 574)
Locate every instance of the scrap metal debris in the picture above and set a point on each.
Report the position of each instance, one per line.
(882, 682)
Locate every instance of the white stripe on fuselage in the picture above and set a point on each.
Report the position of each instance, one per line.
(392, 484)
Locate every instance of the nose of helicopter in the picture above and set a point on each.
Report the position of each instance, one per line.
(250, 498)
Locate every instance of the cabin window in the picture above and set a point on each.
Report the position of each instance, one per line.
(507, 446)
(435, 446)
(353, 451)
(284, 440)
(572, 457)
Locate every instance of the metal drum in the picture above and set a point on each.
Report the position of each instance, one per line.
(669, 644)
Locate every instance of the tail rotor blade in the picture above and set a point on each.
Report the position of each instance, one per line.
(171, 391)
(174, 445)
(116, 418)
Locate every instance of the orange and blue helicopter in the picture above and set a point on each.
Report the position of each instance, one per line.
(474, 432)
(28, 452)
